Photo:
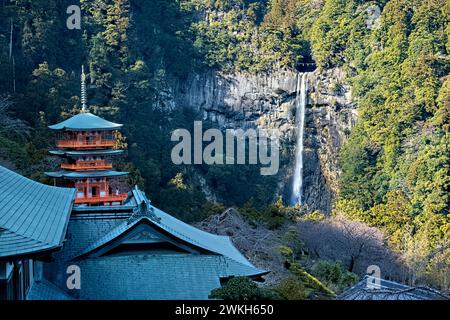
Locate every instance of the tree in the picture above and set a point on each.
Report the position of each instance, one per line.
(353, 243)
(10, 126)
(242, 288)
(292, 289)
(334, 275)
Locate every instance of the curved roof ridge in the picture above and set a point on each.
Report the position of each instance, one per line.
(225, 240)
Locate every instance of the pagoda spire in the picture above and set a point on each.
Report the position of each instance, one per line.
(83, 90)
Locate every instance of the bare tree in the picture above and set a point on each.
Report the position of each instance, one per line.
(9, 125)
(257, 243)
(353, 243)
(357, 240)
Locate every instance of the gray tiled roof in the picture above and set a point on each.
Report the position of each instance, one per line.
(147, 275)
(33, 216)
(155, 276)
(85, 121)
(390, 290)
(45, 290)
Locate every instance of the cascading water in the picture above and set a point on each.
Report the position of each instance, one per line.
(301, 99)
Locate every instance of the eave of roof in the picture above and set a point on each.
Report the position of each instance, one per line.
(85, 121)
(33, 216)
(86, 174)
(85, 153)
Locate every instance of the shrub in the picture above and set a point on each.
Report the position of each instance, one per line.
(242, 288)
(334, 275)
(292, 289)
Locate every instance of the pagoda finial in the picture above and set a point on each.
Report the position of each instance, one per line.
(83, 90)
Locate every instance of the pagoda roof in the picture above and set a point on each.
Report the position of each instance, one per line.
(33, 216)
(86, 174)
(85, 121)
(85, 152)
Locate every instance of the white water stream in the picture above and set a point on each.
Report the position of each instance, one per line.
(301, 100)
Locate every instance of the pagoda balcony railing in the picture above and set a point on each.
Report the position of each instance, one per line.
(99, 184)
(87, 165)
(85, 143)
(96, 199)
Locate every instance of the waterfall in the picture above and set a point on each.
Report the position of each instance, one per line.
(301, 100)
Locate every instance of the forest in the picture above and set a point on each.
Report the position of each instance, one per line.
(395, 166)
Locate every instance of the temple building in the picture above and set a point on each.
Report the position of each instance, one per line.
(86, 141)
(33, 225)
(136, 251)
(122, 246)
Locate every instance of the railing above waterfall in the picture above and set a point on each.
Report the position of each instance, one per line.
(306, 66)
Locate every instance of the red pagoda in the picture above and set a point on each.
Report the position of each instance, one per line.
(86, 141)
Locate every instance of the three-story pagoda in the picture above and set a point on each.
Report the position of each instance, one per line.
(87, 141)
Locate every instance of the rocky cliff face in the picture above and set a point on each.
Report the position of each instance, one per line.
(269, 101)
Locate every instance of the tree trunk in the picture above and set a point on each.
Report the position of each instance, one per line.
(352, 264)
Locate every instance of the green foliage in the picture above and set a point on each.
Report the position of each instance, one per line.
(132, 50)
(395, 163)
(395, 168)
(286, 252)
(292, 289)
(276, 214)
(233, 38)
(242, 288)
(314, 216)
(185, 201)
(273, 216)
(310, 281)
(232, 181)
(178, 182)
(334, 275)
(249, 212)
(12, 150)
(292, 244)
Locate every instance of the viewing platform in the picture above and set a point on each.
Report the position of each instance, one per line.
(88, 144)
(112, 198)
(306, 66)
(87, 165)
